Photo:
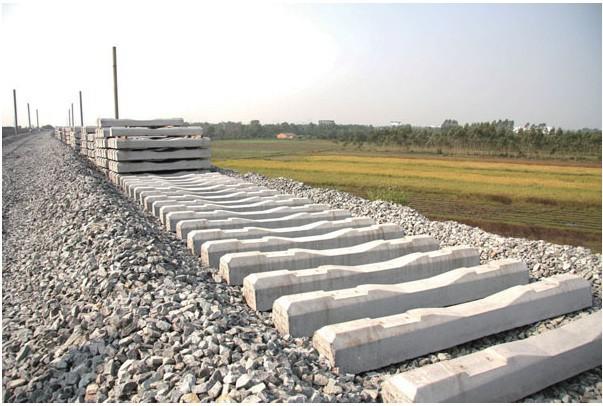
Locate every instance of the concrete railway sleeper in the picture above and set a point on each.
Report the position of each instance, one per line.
(372, 299)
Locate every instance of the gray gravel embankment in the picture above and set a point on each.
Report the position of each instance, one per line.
(99, 302)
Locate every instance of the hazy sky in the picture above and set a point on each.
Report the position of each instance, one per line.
(352, 63)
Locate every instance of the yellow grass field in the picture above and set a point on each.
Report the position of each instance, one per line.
(555, 201)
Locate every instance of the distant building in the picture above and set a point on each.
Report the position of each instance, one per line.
(395, 123)
(254, 122)
(326, 122)
(285, 136)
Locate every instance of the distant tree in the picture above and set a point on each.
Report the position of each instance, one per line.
(448, 123)
(496, 136)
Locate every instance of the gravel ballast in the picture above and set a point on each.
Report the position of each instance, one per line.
(101, 303)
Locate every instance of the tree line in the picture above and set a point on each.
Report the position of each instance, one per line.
(496, 137)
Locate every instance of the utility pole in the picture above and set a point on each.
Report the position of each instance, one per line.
(81, 111)
(15, 102)
(72, 120)
(115, 81)
(37, 120)
(28, 117)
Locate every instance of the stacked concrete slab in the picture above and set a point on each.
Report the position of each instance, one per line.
(135, 146)
(98, 143)
(368, 295)
(100, 151)
(91, 145)
(84, 133)
(73, 138)
(62, 133)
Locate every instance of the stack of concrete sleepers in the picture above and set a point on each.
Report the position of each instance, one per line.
(91, 143)
(74, 138)
(99, 145)
(85, 132)
(368, 295)
(62, 133)
(134, 146)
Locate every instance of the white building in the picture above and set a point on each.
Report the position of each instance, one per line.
(545, 128)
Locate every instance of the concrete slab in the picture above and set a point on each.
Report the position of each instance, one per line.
(147, 198)
(126, 122)
(246, 233)
(154, 203)
(302, 314)
(228, 192)
(172, 219)
(262, 289)
(158, 183)
(203, 191)
(199, 231)
(184, 183)
(506, 372)
(212, 251)
(235, 267)
(180, 176)
(101, 162)
(138, 143)
(174, 209)
(133, 190)
(245, 204)
(177, 176)
(367, 344)
(113, 177)
(100, 143)
(201, 177)
(129, 167)
(126, 155)
(166, 131)
(192, 176)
